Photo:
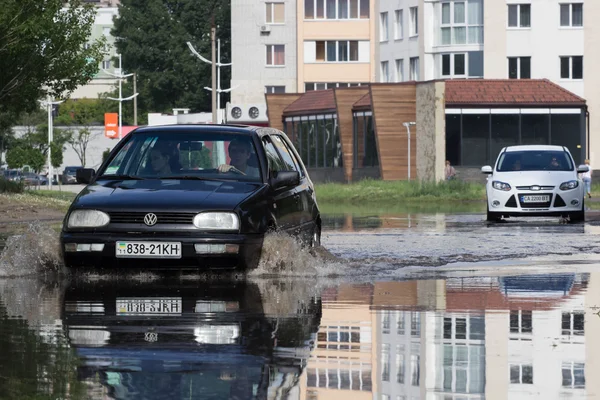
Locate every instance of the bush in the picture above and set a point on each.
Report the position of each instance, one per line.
(7, 186)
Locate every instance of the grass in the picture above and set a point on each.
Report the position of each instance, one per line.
(375, 192)
(53, 194)
(10, 187)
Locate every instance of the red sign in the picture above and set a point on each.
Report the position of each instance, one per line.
(111, 125)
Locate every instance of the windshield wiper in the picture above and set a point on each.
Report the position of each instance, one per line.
(121, 177)
(189, 177)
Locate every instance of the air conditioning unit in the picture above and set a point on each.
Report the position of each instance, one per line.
(247, 113)
(265, 29)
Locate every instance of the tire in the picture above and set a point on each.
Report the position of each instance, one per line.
(578, 216)
(315, 240)
(493, 216)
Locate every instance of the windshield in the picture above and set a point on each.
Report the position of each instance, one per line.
(189, 155)
(535, 160)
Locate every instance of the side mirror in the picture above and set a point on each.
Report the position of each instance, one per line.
(487, 170)
(84, 175)
(285, 178)
(583, 168)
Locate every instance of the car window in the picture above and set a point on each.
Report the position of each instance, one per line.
(275, 162)
(286, 154)
(535, 160)
(191, 155)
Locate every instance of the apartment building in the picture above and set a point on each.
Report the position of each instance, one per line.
(507, 39)
(297, 46)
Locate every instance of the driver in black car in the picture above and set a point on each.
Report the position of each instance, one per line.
(240, 152)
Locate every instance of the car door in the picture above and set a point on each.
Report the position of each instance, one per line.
(284, 198)
(304, 189)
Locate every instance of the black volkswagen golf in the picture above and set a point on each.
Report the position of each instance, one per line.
(202, 196)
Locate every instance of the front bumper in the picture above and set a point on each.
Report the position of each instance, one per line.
(250, 246)
(510, 203)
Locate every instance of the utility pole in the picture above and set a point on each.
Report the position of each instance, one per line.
(121, 76)
(213, 34)
(135, 100)
(49, 104)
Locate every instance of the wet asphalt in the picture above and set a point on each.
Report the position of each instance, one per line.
(408, 306)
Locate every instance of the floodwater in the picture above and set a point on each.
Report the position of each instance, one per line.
(397, 306)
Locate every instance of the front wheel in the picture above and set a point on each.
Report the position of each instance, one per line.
(316, 237)
(578, 216)
(493, 216)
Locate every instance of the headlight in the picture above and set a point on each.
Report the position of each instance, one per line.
(217, 221)
(569, 185)
(501, 186)
(88, 219)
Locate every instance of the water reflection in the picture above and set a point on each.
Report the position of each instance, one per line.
(526, 336)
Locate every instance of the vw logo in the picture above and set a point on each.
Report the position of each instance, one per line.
(150, 219)
(535, 188)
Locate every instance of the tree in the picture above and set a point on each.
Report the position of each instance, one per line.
(105, 154)
(56, 156)
(43, 52)
(79, 142)
(151, 36)
(17, 157)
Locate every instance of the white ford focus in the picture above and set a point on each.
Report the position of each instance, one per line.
(535, 181)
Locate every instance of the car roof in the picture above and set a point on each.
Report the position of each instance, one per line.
(225, 128)
(535, 147)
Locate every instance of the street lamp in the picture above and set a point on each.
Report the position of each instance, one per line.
(120, 77)
(408, 125)
(49, 104)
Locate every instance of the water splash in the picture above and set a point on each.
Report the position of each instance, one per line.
(35, 252)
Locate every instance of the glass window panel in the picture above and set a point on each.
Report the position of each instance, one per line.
(459, 13)
(526, 322)
(331, 51)
(364, 9)
(385, 362)
(527, 374)
(415, 324)
(525, 15)
(579, 375)
(331, 10)
(460, 328)
(447, 328)
(446, 65)
(320, 9)
(445, 13)
(383, 25)
(566, 131)
(577, 14)
(475, 35)
(446, 36)
(345, 379)
(279, 54)
(460, 35)
(354, 50)
(415, 370)
(515, 374)
(565, 67)
(525, 67)
(475, 12)
(269, 12)
(353, 8)
(371, 155)
(512, 15)
(461, 381)
(309, 9)
(459, 64)
(343, 9)
(578, 324)
(312, 377)
(477, 328)
(355, 337)
(462, 356)
(320, 55)
(475, 139)
(535, 128)
(269, 55)
(513, 68)
(505, 132)
(448, 379)
(343, 50)
(565, 18)
(452, 147)
(476, 64)
(333, 379)
(577, 72)
(279, 13)
(566, 376)
(400, 367)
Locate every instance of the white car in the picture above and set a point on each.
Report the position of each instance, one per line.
(535, 181)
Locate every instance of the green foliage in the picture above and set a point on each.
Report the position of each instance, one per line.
(56, 156)
(389, 192)
(7, 186)
(151, 35)
(43, 51)
(195, 159)
(18, 157)
(105, 154)
(84, 112)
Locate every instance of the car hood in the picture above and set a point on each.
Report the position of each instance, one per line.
(179, 195)
(541, 178)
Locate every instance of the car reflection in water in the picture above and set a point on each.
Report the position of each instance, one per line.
(209, 340)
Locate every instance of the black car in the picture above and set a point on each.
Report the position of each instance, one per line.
(190, 195)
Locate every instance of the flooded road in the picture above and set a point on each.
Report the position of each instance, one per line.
(398, 306)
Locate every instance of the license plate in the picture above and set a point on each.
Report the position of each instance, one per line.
(148, 249)
(149, 306)
(535, 199)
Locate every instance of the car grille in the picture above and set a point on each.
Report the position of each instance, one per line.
(161, 218)
(511, 202)
(559, 202)
(545, 204)
(540, 187)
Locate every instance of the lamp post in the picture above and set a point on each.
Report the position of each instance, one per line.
(120, 76)
(408, 125)
(49, 104)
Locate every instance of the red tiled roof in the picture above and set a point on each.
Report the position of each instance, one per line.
(313, 102)
(363, 102)
(519, 92)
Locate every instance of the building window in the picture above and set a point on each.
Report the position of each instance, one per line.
(383, 27)
(414, 68)
(519, 67)
(573, 324)
(386, 321)
(519, 15)
(521, 321)
(106, 64)
(414, 21)
(462, 369)
(399, 25)
(454, 65)
(385, 362)
(308, 86)
(573, 375)
(415, 368)
(337, 51)
(106, 31)
(274, 89)
(275, 13)
(275, 54)
(317, 139)
(461, 23)
(571, 15)
(399, 70)
(400, 363)
(521, 374)
(415, 324)
(571, 67)
(385, 72)
(336, 9)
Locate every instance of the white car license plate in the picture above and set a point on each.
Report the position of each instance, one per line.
(535, 199)
(148, 249)
(149, 306)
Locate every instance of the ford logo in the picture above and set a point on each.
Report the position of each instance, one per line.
(150, 219)
(535, 188)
